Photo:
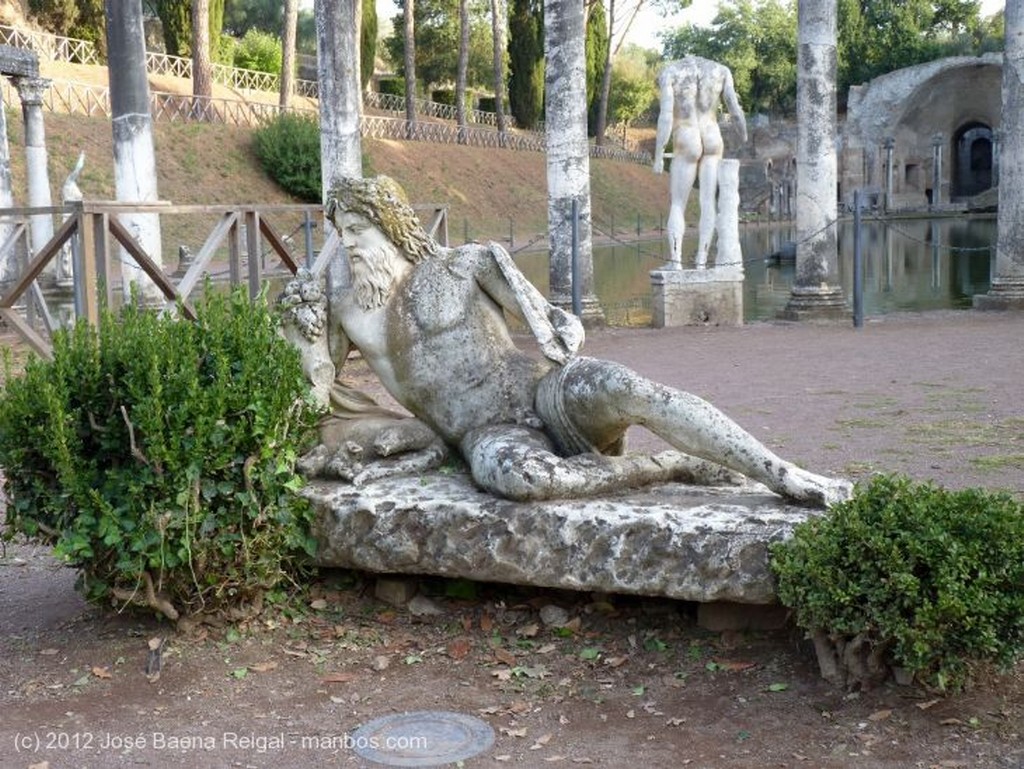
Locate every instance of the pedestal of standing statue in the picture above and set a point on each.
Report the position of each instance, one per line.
(712, 296)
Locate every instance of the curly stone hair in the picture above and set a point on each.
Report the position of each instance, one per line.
(382, 201)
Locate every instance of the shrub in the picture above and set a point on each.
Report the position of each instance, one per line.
(487, 104)
(288, 147)
(158, 455)
(444, 96)
(395, 86)
(259, 51)
(909, 575)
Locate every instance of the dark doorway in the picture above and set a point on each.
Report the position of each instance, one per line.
(972, 162)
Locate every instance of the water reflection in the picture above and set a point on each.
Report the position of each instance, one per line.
(912, 264)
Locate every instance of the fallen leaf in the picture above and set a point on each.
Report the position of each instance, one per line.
(779, 687)
(504, 656)
(459, 648)
(521, 732)
(573, 625)
(520, 707)
(505, 674)
(553, 759)
(528, 631)
(928, 704)
(503, 757)
(239, 673)
(101, 672)
(40, 765)
(541, 741)
(583, 760)
(630, 713)
(951, 722)
(490, 710)
(155, 643)
(675, 722)
(486, 622)
(49, 652)
(546, 649)
(318, 605)
(734, 666)
(381, 662)
(614, 662)
(339, 677)
(264, 667)
(590, 653)
(880, 715)
(467, 622)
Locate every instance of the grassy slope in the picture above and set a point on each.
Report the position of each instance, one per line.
(199, 163)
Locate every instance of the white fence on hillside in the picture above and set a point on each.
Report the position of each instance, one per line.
(68, 97)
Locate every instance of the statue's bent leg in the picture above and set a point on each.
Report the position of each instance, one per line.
(518, 463)
(601, 396)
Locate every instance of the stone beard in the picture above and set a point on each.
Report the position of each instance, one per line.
(374, 275)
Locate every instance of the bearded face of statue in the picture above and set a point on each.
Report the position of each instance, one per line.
(373, 257)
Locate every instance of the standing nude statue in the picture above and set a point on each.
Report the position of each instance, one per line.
(430, 323)
(690, 91)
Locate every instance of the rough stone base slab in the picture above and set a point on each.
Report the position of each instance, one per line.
(697, 297)
(685, 542)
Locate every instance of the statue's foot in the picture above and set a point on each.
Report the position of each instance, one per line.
(804, 486)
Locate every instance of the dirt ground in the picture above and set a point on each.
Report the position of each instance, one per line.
(635, 682)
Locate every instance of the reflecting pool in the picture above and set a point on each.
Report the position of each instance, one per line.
(909, 264)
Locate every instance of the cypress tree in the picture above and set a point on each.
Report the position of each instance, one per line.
(526, 61)
(368, 43)
(596, 43)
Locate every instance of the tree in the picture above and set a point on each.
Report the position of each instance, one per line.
(409, 61)
(242, 15)
(460, 76)
(291, 21)
(437, 45)
(633, 91)
(526, 61)
(498, 23)
(598, 52)
(176, 20)
(368, 43)
(202, 69)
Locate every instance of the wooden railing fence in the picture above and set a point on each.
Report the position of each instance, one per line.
(242, 235)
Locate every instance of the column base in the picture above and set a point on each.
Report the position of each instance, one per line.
(591, 314)
(818, 305)
(1007, 294)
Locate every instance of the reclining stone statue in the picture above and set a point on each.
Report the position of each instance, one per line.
(430, 323)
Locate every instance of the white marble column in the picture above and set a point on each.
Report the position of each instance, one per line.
(30, 92)
(8, 265)
(135, 175)
(729, 253)
(568, 157)
(816, 294)
(1007, 289)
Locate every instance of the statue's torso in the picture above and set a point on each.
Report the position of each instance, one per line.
(441, 347)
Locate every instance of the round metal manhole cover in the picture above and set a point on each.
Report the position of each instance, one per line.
(422, 738)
